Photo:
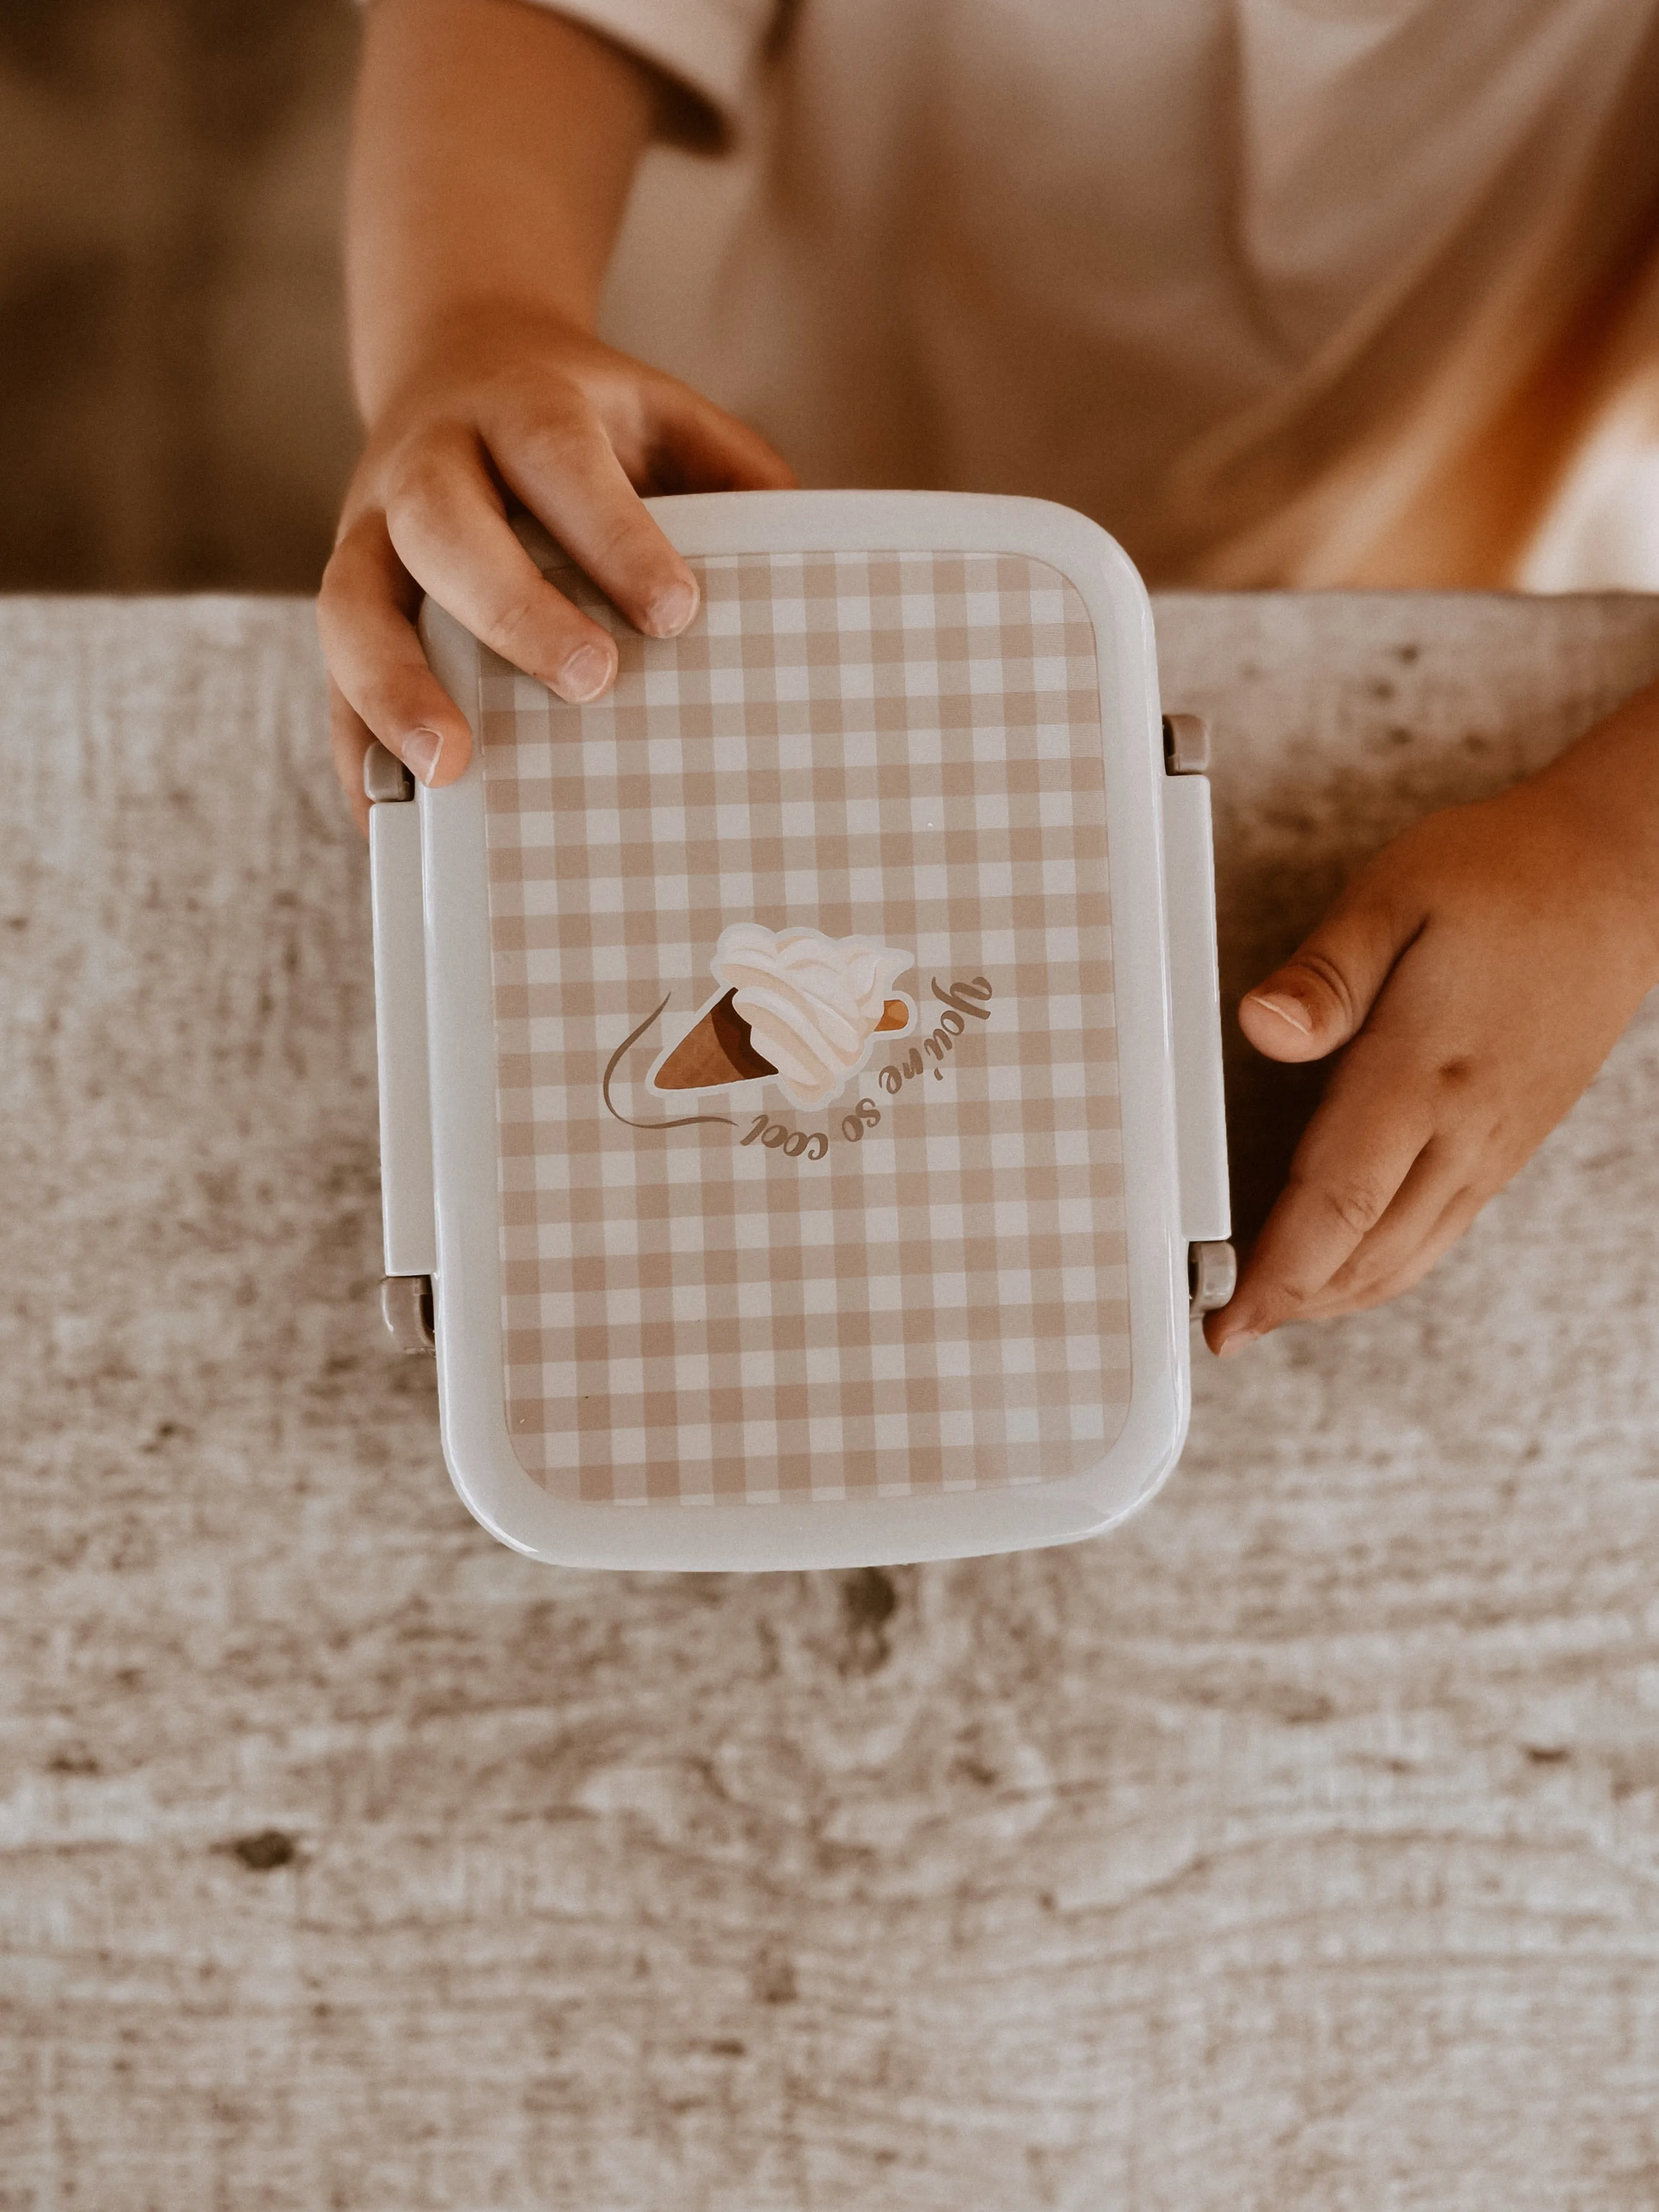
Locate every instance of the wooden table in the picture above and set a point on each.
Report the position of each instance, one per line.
(1296, 1847)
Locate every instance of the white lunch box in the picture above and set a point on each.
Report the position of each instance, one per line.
(801, 1070)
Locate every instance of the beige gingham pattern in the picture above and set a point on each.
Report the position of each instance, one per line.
(904, 746)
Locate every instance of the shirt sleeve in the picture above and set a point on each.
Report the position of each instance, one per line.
(709, 47)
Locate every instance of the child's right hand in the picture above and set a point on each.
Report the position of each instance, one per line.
(510, 402)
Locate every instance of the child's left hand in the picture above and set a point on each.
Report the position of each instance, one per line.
(1478, 972)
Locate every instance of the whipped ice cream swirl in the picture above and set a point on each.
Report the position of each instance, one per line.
(811, 1002)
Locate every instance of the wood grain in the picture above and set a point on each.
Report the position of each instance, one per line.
(1297, 1847)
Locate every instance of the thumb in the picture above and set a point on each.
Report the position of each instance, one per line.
(1322, 994)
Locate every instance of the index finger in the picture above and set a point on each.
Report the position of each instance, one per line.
(1356, 1152)
(365, 613)
(450, 530)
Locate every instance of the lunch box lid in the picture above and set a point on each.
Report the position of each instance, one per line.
(800, 1068)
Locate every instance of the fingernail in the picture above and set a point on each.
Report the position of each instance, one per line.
(1288, 1010)
(585, 675)
(421, 751)
(1234, 1345)
(671, 610)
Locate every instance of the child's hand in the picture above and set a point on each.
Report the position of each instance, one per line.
(1478, 972)
(511, 402)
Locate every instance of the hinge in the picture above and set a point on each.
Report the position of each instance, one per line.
(1212, 1274)
(406, 1309)
(1186, 744)
(386, 781)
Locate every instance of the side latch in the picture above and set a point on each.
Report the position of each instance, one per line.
(1195, 1012)
(394, 864)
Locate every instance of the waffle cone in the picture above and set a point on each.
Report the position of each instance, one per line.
(719, 1049)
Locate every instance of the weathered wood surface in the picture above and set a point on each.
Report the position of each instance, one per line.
(1297, 1847)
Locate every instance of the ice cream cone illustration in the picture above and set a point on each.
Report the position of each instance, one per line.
(717, 1050)
(797, 1004)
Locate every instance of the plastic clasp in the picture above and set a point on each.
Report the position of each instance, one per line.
(394, 862)
(1194, 986)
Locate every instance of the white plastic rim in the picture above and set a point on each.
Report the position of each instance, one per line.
(467, 1285)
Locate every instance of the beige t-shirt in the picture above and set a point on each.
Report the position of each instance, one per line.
(1279, 291)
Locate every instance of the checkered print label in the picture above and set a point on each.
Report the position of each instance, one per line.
(711, 1293)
